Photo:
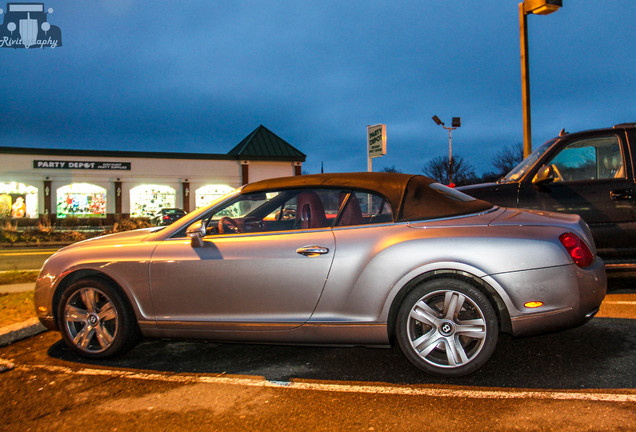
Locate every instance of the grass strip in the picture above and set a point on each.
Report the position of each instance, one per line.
(16, 307)
(18, 276)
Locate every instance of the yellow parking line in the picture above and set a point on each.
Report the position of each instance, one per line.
(620, 302)
(27, 253)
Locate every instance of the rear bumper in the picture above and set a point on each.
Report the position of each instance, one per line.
(570, 295)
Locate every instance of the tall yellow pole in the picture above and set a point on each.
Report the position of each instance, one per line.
(525, 83)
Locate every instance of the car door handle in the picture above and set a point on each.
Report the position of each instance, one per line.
(312, 250)
(623, 194)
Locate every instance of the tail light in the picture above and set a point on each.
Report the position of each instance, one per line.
(578, 250)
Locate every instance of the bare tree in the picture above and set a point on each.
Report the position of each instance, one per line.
(439, 169)
(391, 169)
(507, 158)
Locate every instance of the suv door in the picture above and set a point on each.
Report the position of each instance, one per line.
(590, 176)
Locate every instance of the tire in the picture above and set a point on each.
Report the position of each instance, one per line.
(95, 320)
(447, 327)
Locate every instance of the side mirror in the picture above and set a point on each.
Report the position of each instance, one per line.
(196, 232)
(544, 175)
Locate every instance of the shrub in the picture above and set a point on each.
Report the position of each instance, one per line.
(130, 224)
(43, 231)
(69, 221)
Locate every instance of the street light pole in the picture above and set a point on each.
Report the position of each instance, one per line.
(456, 122)
(537, 7)
(450, 156)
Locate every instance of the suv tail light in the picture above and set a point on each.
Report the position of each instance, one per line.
(577, 249)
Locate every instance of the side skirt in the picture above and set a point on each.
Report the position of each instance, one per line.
(341, 333)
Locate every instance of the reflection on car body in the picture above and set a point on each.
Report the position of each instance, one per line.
(359, 259)
(166, 216)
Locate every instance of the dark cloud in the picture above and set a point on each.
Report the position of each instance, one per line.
(200, 75)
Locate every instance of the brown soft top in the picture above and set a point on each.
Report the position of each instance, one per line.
(411, 196)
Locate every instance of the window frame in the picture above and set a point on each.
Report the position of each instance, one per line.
(280, 201)
(597, 159)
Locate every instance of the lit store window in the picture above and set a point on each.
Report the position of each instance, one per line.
(146, 200)
(81, 200)
(206, 194)
(18, 200)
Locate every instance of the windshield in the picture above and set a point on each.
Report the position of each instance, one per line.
(190, 217)
(518, 171)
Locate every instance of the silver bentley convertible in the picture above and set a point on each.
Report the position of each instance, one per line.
(349, 259)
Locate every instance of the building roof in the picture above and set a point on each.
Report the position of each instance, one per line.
(111, 153)
(263, 144)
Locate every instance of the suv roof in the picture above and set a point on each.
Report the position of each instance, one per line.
(583, 132)
(625, 125)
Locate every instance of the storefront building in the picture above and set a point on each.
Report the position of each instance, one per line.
(115, 184)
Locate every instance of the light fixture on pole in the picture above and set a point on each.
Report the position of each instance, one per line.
(455, 123)
(537, 7)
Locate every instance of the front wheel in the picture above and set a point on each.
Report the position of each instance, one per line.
(447, 327)
(95, 320)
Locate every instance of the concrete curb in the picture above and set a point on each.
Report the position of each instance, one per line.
(22, 330)
(19, 331)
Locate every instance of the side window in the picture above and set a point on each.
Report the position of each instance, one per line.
(281, 210)
(589, 159)
(364, 208)
(305, 208)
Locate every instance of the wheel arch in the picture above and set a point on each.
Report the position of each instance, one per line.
(77, 275)
(495, 299)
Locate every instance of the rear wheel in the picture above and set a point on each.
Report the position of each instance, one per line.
(95, 320)
(447, 327)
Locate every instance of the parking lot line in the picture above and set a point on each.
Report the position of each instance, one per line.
(602, 396)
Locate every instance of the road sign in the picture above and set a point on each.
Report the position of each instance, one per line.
(376, 140)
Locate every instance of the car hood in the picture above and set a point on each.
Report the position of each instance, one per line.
(126, 237)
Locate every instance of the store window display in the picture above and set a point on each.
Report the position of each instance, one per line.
(206, 194)
(81, 200)
(146, 200)
(18, 200)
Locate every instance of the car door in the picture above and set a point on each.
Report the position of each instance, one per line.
(592, 177)
(269, 275)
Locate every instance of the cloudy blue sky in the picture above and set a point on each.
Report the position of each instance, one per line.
(198, 76)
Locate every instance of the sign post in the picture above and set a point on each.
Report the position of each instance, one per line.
(376, 143)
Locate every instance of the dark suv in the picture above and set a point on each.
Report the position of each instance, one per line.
(590, 173)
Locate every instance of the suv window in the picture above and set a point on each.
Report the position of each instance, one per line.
(589, 159)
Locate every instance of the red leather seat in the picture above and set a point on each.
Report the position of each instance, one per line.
(310, 213)
(352, 214)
